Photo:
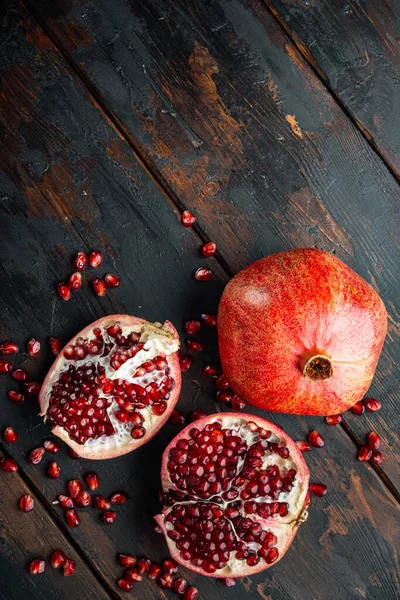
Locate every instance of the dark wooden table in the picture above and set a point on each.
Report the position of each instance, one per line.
(277, 123)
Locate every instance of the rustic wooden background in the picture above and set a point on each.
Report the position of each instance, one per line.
(277, 123)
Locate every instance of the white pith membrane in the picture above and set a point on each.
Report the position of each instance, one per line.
(151, 341)
(192, 532)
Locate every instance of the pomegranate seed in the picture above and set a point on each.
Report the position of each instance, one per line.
(68, 567)
(51, 446)
(36, 455)
(80, 261)
(194, 345)
(222, 383)
(358, 408)
(165, 581)
(32, 388)
(57, 559)
(374, 441)
(95, 259)
(154, 571)
(19, 374)
(55, 345)
(209, 249)
(8, 348)
(143, 565)
(372, 405)
(111, 280)
(137, 432)
(75, 281)
(188, 219)
(210, 320)
(26, 503)
(177, 418)
(210, 371)
(316, 439)
(364, 453)
(179, 586)
(237, 403)
(74, 487)
(8, 465)
(126, 560)
(72, 517)
(101, 503)
(99, 286)
(65, 501)
(224, 397)
(318, 489)
(92, 481)
(185, 363)
(192, 327)
(303, 446)
(119, 498)
(334, 419)
(33, 347)
(228, 581)
(5, 366)
(83, 499)
(10, 435)
(170, 566)
(377, 458)
(191, 593)
(203, 274)
(108, 517)
(132, 574)
(72, 454)
(124, 584)
(196, 414)
(53, 470)
(37, 566)
(63, 291)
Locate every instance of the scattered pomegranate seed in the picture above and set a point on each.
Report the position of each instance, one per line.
(318, 489)
(68, 567)
(303, 446)
(192, 327)
(74, 487)
(358, 408)
(224, 397)
(203, 274)
(143, 565)
(170, 566)
(37, 566)
(5, 366)
(95, 259)
(26, 503)
(83, 499)
(108, 517)
(334, 419)
(196, 414)
(222, 383)
(10, 435)
(80, 261)
(111, 280)
(53, 470)
(55, 345)
(57, 559)
(377, 458)
(185, 363)
(126, 560)
(372, 405)
(210, 320)
(119, 498)
(63, 291)
(179, 586)
(72, 454)
(154, 571)
(194, 345)
(36, 455)
(101, 503)
(9, 348)
(65, 501)
(374, 440)
(191, 593)
(237, 403)
(209, 249)
(51, 446)
(188, 219)
(177, 418)
(364, 453)
(132, 574)
(165, 581)
(124, 584)
(32, 388)
(228, 581)
(33, 347)
(210, 371)
(316, 439)
(19, 374)
(75, 281)
(99, 286)
(92, 481)
(72, 517)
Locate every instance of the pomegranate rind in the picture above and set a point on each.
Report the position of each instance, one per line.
(132, 444)
(284, 529)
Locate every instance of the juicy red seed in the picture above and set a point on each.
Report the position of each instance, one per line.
(196, 414)
(334, 419)
(83, 499)
(372, 405)
(55, 345)
(210, 371)
(8, 465)
(203, 274)
(92, 481)
(143, 565)
(228, 581)
(65, 501)
(72, 454)
(8, 348)
(137, 432)
(179, 586)
(318, 489)
(358, 408)
(111, 280)
(74, 487)
(374, 440)
(133, 574)
(80, 261)
(108, 517)
(209, 249)
(68, 567)
(237, 403)
(119, 498)
(37, 566)
(194, 345)
(63, 291)
(316, 439)
(33, 347)
(99, 286)
(192, 327)
(51, 446)
(72, 517)
(177, 418)
(57, 559)
(124, 585)
(75, 281)
(187, 218)
(154, 571)
(185, 363)
(53, 470)
(36, 455)
(126, 560)
(19, 374)
(191, 593)
(95, 259)
(222, 383)
(5, 366)
(26, 503)
(210, 320)
(101, 503)
(32, 388)
(170, 566)
(165, 581)
(303, 446)
(377, 458)
(364, 453)
(10, 435)
(224, 397)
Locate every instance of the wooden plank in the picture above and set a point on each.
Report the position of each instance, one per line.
(243, 132)
(353, 46)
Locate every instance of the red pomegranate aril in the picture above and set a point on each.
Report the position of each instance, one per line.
(8, 348)
(36, 455)
(5, 366)
(57, 559)
(124, 585)
(372, 405)
(209, 320)
(179, 586)
(99, 287)
(53, 470)
(63, 291)
(68, 567)
(111, 280)
(95, 259)
(377, 458)
(75, 281)
(187, 218)
(228, 581)
(19, 374)
(32, 388)
(191, 593)
(364, 453)
(126, 560)
(192, 327)
(72, 517)
(169, 566)
(203, 274)
(37, 566)
(318, 489)
(133, 574)
(209, 249)
(374, 440)
(108, 517)
(154, 571)
(138, 432)
(194, 345)
(80, 261)
(358, 408)
(119, 498)
(33, 347)
(333, 419)
(316, 439)
(210, 371)
(195, 415)
(222, 383)
(237, 403)
(92, 481)
(72, 454)
(51, 446)
(165, 581)
(65, 501)
(303, 446)
(55, 345)
(10, 435)
(177, 418)
(8, 465)
(185, 363)
(26, 503)
(101, 503)
(224, 397)
(74, 487)
(83, 499)
(143, 565)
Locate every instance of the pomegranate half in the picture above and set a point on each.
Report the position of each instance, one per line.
(113, 386)
(300, 332)
(235, 492)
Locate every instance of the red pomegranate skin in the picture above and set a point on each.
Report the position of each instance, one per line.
(282, 310)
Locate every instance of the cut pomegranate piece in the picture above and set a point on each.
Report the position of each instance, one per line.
(126, 560)
(377, 458)
(179, 586)
(37, 566)
(374, 440)
(57, 559)
(75, 281)
(108, 517)
(72, 517)
(55, 345)
(68, 567)
(333, 419)
(210, 320)
(9, 348)
(316, 439)
(33, 347)
(192, 327)
(187, 218)
(95, 259)
(364, 453)
(203, 274)
(235, 492)
(124, 584)
(99, 286)
(209, 249)
(113, 386)
(111, 280)
(92, 481)
(10, 435)
(5, 366)
(177, 417)
(16, 397)
(26, 503)
(63, 291)
(318, 489)
(80, 261)
(372, 405)
(119, 498)
(53, 470)
(358, 408)
(51, 446)
(36, 455)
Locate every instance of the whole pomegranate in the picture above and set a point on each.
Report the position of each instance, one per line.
(300, 332)
(235, 492)
(113, 386)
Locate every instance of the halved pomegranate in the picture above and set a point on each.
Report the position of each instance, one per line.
(113, 386)
(235, 492)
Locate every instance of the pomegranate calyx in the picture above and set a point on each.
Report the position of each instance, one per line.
(318, 367)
